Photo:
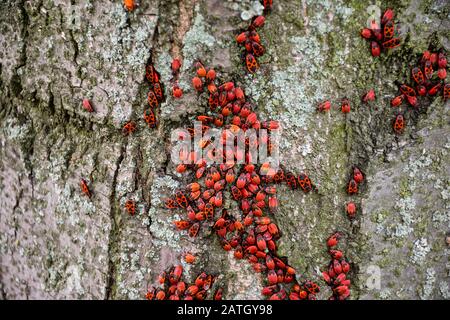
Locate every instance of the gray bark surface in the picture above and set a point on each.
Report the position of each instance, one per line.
(55, 243)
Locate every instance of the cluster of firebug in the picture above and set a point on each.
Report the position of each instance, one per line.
(336, 275)
(155, 95)
(253, 234)
(325, 106)
(429, 80)
(172, 287)
(175, 66)
(352, 188)
(382, 38)
(251, 41)
(356, 178)
(207, 77)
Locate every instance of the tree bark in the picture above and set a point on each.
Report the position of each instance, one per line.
(57, 243)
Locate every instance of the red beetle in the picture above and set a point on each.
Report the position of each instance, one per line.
(397, 101)
(130, 206)
(258, 22)
(170, 204)
(270, 290)
(442, 60)
(176, 65)
(324, 106)
(182, 224)
(157, 89)
(175, 274)
(218, 294)
(129, 128)
(177, 92)
(442, 73)
(357, 175)
(129, 5)
(375, 49)
(149, 118)
(366, 33)
(261, 243)
(242, 37)
(87, 105)
(351, 210)
(428, 69)
(304, 182)
(251, 63)
(388, 30)
(345, 266)
(181, 199)
(352, 187)
(151, 74)
(399, 124)
(238, 254)
(446, 91)
(421, 90)
(369, 96)
(345, 108)
(391, 44)
(152, 100)
(387, 15)
(237, 195)
(333, 240)
(257, 49)
(272, 277)
(435, 89)
(84, 188)
(291, 180)
(417, 75)
(267, 5)
(201, 71)
(197, 83)
(326, 277)
(193, 230)
(336, 254)
(273, 203)
(407, 90)
(270, 263)
(192, 290)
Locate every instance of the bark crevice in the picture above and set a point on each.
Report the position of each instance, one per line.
(114, 235)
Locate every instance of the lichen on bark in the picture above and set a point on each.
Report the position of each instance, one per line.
(56, 243)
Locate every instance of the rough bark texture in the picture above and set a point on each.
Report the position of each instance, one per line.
(57, 243)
